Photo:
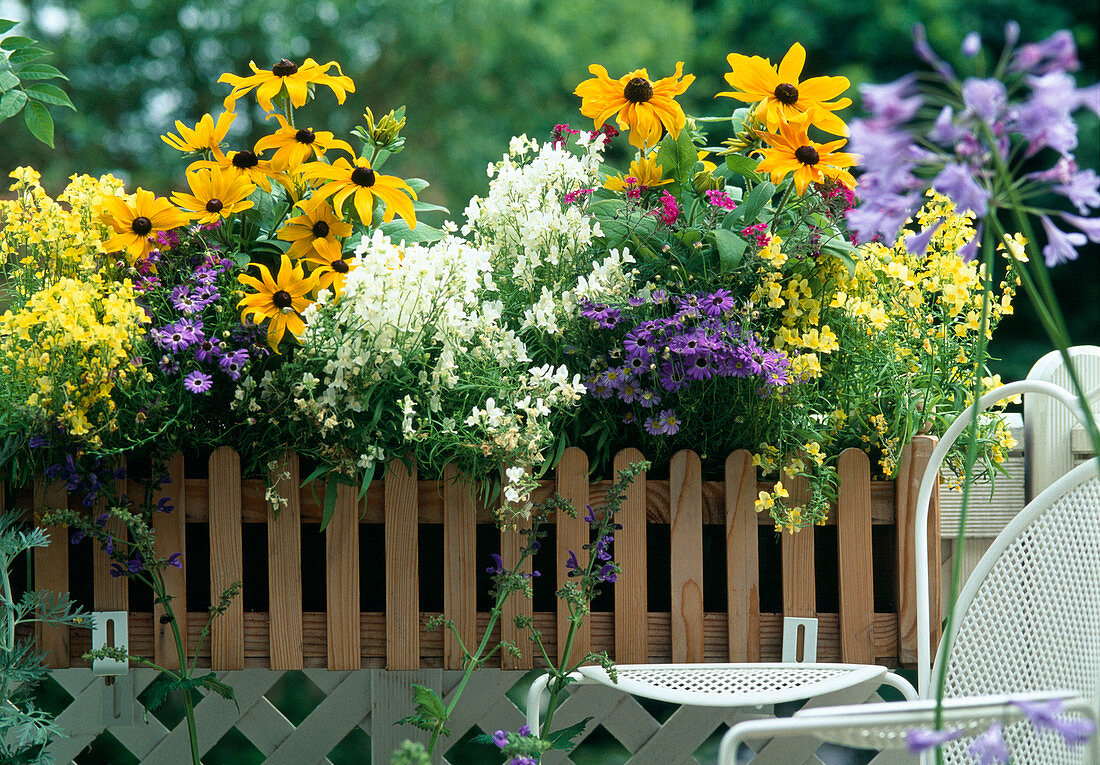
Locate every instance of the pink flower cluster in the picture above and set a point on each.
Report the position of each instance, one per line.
(757, 233)
(574, 196)
(721, 200)
(670, 209)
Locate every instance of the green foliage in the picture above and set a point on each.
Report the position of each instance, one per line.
(17, 63)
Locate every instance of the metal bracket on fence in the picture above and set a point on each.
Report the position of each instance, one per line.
(799, 640)
(109, 630)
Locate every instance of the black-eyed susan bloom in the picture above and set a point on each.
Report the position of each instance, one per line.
(286, 74)
(644, 174)
(207, 135)
(330, 269)
(245, 164)
(135, 222)
(343, 179)
(293, 146)
(317, 222)
(781, 97)
(791, 151)
(637, 103)
(215, 194)
(280, 300)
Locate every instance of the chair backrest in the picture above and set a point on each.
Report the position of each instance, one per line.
(1028, 618)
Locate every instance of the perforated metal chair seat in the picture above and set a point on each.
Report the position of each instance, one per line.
(732, 685)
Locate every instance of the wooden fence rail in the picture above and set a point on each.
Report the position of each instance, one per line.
(343, 637)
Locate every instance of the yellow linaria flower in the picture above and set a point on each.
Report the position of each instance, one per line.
(329, 267)
(791, 151)
(343, 179)
(781, 96)
(644, 174)
(293, 146)
(205, 136)
(135, 222)
(215, 194)
(636, 102)
(285, 74)
(317, 222)
(244, 164)
(281, 300)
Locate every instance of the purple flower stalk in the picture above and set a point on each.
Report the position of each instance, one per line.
(1050, 715)
(920, 740)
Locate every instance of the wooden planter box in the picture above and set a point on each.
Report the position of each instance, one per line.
(873, 535)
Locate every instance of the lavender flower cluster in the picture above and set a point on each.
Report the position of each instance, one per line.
(965, 144)
(187, 340)
(700, 341)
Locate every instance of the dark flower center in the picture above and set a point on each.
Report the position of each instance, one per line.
(141, 225)
(305, 135)
(320, 229)
(340, 266)
(282, 299)
(284, 68)
(245, 159)
(807, 155)
(786, 93)
(363, 176)
(214, 205)
(639, 90)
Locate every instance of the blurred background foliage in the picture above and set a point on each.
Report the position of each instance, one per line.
(472, 73)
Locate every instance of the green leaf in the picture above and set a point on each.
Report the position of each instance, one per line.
(841, 248)
(16, 42)
(755, 202)
(368, 477)
(11, 102)
(618, 221)
(731, 248)
(23, 55)
(40, 72)
(211, 683)
(423, 233)
(742, 165)
(428, 702)
(563, 739)
(39, 122)
(7, 81)
(6, 25)
(417, 184)
(330, 500)
(49, 94)
(428, 207)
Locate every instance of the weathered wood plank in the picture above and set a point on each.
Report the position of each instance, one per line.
(914, 461)
(856, 575)
(109, 593)
(742, 558)
(342, 580)
(685, 492)
(226, 565)
(459, 565)
(284, 564)
(573, 534)
(171, 537)
(402, 567)
(631, 590)
(51, 571)
(797, 550)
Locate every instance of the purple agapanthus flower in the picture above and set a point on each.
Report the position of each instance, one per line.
(971, 45)
(1057, 52)
(989, 748)
(198, 382)
(920, 740)
(892, 103)
(1090, 226)
(1060, 246)
(1050, 715)
(917, 244)
(987, 98)
(957, 182)
(1082, 189)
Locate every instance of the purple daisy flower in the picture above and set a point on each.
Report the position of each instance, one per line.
(699, 366)
(207, 349)
(175, 337)
(718, 302)
(233, 363)
(648, 399)
(168, 365)
(651, 425)
(184, 301)
(672, 376)
(198, 382)
(668, 422)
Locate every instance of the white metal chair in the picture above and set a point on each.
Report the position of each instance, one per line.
(1027, 622)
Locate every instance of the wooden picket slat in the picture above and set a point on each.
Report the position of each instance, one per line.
(402, 568)
(857, 597)
(511, 542)
(284, 565)
(631, 590)
(459, 565)
(572, 535)
(51, 572)
(109, 593)
(797, 550)
(914, 461)
(342, 580)
(171, 538)
(686, 532)
(742, 558)
(226, 565)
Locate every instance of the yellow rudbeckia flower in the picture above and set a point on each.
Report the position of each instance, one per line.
(293, 146)
(343, 179)
(791, 151)
(644, 173)
(135, 222)
(280, 300)
(317, 222)
(214, 195)
(637, 103)
(206, 135)
(286, 74)
(329, 267)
